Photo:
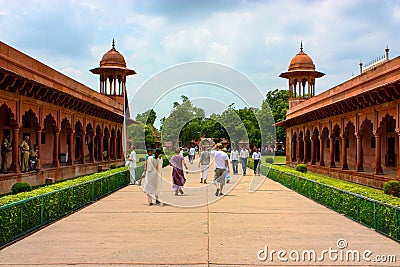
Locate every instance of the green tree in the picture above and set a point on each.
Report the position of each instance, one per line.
(148, 117)
(278, 103)
(173, 127)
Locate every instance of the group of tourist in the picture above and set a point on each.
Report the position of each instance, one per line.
(29, 157)
(153, 165)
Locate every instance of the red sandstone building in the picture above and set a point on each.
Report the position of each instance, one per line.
(76, 128)
(350, 131)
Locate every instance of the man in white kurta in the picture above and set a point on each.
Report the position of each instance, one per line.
(152, 180)
(132, 165)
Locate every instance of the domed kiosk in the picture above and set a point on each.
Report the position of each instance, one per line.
(301, 75)
(113, 73)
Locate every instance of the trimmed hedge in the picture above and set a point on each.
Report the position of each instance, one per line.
(20, 187)
(25, 212)
(301, 168)
(391, 188)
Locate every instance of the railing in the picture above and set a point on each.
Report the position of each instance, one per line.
(380, 216)
(19, 218)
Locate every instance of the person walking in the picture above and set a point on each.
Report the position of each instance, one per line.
(152, 178)
(234, 160)
(204, 164)
(244, 155)
(132, 166)
(24, 147)
(257, 160)
(5, 144)
(192, 152)
(178, 178)
(221, 161)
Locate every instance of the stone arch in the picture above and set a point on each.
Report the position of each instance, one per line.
(389, 141)
(98, 143)
(79, 142)
(337, 142)
(119, 144)
(113, 143)
(29, 126)
(106, 143)
(48, 139)
(7, 120)
(64, 144)
(367, 140)
(315, 152)
(350, 144)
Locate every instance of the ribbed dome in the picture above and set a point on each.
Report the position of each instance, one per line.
(113, 58)
(301, 61)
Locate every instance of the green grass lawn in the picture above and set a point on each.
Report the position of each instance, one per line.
(279, 160)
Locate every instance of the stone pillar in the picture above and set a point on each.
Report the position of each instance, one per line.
(83, 148)
(14, 167)
(313, 150)
(92, 160)
(56, 161)
(305, 150)
(101, 148)
(344, 152)
(378, 168)
(71, 150)
(298, 150)
(39, 143)
(114, 148)
(359, 165)
(332, 149)
(108, 157)
(321, 151)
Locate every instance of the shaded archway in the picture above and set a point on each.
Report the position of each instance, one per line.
(106, 143)
(315, 147)
(90, 141)
(300, 157)
(79, 143)
(349, 145)
(367, 148)
(113, 144)
(48, 142)
(389, 139)
(98, 145)
(66, 143)
(307, 143)
(6, 123)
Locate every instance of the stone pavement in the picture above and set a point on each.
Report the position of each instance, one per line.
(122, 230)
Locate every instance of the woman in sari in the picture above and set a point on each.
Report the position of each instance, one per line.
(152, 179)
(178, 177)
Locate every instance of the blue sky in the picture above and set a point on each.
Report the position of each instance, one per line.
(257, 38)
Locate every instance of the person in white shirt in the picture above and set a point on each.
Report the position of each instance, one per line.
(132, 165)
(244, 155)
(256, 158)
(192, 152)
(221, 162)
(234, 160)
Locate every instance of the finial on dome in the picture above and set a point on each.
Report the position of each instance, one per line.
(301, 45)
(113, 44)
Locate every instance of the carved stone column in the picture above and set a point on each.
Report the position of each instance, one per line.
(359, 165)
(321, 153)
(345, 166)
(298, 150)
(56, 161)
(39, 143)
(14, 167)
(313, 150)
(83, 148)
(378, 168)
(332, 150)
(101, 148)
(92, 149)
(71, 150)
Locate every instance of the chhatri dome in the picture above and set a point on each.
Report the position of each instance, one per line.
(113, 58)
(301, 61)
(301, 75)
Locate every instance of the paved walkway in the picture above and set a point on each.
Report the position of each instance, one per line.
(122, 230)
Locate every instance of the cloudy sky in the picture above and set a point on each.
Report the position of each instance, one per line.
(256, 38)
